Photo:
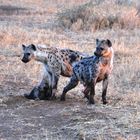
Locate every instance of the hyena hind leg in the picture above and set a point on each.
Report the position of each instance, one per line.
(92, 93)
(33, 94)
(86, 92)
(42, 92)
(72, 84)
(45, 92)
(45, 87)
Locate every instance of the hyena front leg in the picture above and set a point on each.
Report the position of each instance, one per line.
(54, 86)
(72, 84)
(105, 85)
(92, 93)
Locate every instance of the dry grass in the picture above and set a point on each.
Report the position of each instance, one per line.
(24, 119)
(100, 14)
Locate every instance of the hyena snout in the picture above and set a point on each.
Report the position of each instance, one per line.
(25, 59)
(98, 52)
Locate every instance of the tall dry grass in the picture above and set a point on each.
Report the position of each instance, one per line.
(101, 14)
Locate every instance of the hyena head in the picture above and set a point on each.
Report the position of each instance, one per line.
(28, 52)
(103, 47)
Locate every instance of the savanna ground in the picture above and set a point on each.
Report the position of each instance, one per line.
(71, 24)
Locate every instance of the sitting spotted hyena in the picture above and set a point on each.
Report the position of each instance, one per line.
(93, 69)
(56, 62)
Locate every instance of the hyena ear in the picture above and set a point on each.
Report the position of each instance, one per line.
(23, 46)
(33, 47)
(97, 41)
(109, 43)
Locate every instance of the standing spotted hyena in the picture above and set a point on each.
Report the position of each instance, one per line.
(93, 69)
(56, 62)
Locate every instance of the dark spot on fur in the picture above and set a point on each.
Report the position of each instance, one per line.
(72, 58)
(82, 78)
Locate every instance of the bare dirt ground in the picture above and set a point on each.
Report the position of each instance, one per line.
(28, 21)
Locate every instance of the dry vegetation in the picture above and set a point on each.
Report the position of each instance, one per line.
(100, 14)
(76, 25)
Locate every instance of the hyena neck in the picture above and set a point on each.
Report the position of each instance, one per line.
(108, 60)
(40, 56)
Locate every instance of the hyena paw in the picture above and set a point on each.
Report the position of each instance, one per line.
(28, 96)
(105, 102)
(86, 96)
(53, 97)
(62, 98)
(91, 101)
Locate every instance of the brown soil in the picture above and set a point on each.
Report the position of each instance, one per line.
(28, 21)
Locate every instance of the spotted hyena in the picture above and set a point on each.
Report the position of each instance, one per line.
(56, 62)
(93, 69)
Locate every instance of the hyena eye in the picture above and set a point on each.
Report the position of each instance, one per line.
(28, 54)
(102, 49)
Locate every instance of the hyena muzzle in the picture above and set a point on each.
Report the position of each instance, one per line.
(92, 70)
(56, 62)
